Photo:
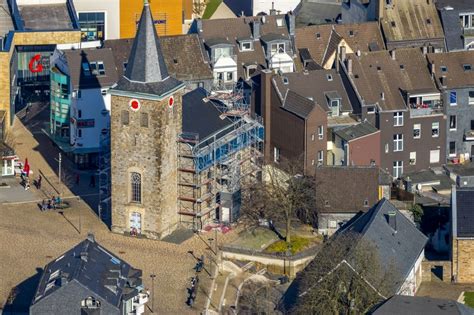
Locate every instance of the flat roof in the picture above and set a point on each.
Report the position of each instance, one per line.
(46, 17)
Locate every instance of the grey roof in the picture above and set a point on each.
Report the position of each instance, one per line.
(201, 117)
(297, 104)
(312, 13)
(79, 80)
(93, 267)
(46, 17)
(146, 63)
(403, 304)
(356, 131)
(400, 249)
(463, 5)
(464, 211)
(452, 29)
(146, 71)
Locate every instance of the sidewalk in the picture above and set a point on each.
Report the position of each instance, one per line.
(14, 192)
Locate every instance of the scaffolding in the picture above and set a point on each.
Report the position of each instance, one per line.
(212, 169)
(105, 184)
(230, 99)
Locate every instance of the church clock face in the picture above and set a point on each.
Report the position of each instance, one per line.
(134, 104)
(171, 102)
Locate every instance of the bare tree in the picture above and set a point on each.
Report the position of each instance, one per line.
(199, 6)
(346, 277)
(284, 195)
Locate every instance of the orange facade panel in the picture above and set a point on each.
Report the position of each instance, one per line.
(168, 16)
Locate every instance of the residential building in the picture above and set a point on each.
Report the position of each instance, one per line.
(7, 155)
(413, 23)
(184, 56)
(461, 174)
(80, 105)
(237, 48)
(89, 279)
(397, 94)
(98, 20)
(459, 36)
(404, 304)
(454, 75)
(168, 17)
(357, 11)
(358, 184)
(315, 12)
(354, 145)
(462, 234)
(318, 45)
(146, 120)
(297, 109)
(399, 247)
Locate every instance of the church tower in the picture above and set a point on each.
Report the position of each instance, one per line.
(146, 115)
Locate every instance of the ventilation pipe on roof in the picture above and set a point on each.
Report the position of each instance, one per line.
(382, 96)
(343, 53)
(443, 81)
(392, 220)
(358, 53)
(425, 50)
(90, 237)
(432, 69)
(349, 66)
(393, 55)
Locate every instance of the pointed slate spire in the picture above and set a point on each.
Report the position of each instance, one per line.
(146, 63)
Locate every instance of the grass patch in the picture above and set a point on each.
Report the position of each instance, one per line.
(469, 298)
(297, 244)
(256, 239)
(211, 7)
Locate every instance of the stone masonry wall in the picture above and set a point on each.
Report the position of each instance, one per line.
(152, 152)
(463, 260)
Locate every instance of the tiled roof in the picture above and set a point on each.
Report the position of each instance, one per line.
(356, 131)
(313, 13)
(357, 37)
(375, 73)
(411, 20)
(456, 76)
(314, 84)
(298, 104)
(75, 58)
(463, 210)
(453, 30)
(356, 184)
(404, 304)
(46, 16)
(333, 44)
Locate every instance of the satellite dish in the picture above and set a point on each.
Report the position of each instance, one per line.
(418, 186)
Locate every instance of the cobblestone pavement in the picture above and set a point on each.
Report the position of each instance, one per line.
(29, 239)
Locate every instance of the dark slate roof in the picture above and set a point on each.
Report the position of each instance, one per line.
(452, 29)
(201, 117)
(403, 304)
(333, 44)
(46, 17)
(75, 58)
(462, 5)
(313, 13)
(355, 183)
(93, 267)
(356, 131)
(298, 105)
(146, 63)
(463, 210)
(400, 249)
(154, 88)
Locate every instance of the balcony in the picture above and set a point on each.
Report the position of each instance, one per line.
(469, 135)
(426, 109)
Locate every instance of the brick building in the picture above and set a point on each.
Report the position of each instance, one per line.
(146, 118)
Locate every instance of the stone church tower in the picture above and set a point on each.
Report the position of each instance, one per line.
(146, 115)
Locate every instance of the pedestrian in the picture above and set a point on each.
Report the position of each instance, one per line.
(92, 183)
(53, 202)
(78, 178)
(27, 184)
(49, 204)
(43, 205)
(38, 183)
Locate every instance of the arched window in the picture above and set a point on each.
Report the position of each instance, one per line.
(136, 187)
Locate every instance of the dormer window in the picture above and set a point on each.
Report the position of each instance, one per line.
(86, 69)
(351, 33)
(444, 69)
(318, 35)
(335, 107)
(467, 67)
(246, 46)
(329, 77)
(222, 52)
(278, 48)
(279, 22)
(334, 103)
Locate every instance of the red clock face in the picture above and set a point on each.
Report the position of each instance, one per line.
(134, 105)
(171, 101)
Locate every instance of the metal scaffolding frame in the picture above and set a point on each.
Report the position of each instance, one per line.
(105, 183)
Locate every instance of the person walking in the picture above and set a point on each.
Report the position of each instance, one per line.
(38, 183)
(27, 184)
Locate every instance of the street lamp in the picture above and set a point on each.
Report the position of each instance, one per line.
(152, 276)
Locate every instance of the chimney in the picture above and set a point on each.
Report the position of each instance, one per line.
(272, 10)
(392, 220)
(392, 54)
(425, 50)
(242, 14)
(343, 53)
(349, 66)
(338, 56)
(84, 256)
(443, 81)
(382, 96)
(291, 19)
(433, 69)
(358, 53)
(256, 29)
(90, 237)
(199, 25)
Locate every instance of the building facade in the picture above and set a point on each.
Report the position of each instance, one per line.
(459, 36)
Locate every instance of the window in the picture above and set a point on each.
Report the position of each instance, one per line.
(366, 202)
(386, 148)
(332, 224)
(97, 68)
(398, 119)
(79, 114)
(276, 155)
(471, 97)
(452, 98)
(125, 117)
(229, 76)
(79, 133)
(467, 67)
(434, 156)
(125, 66)
(312, 137)
(329, 77)
(277, 48)
(86, 69)
(444, 69)
(397, 142)
(321, 132)
(452, 148)
(144, 120)
(320, 157)
(279, 22)
(416, 131)
(397, 169)
(246, 46)
(435, 129)
(92, 26)
(136, 187)
(370, 109)
(335, 107)
(412, 158)
(452, 122)
(100, 65)
(222, 52)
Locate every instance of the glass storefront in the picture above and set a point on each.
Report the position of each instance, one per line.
(92, 26)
